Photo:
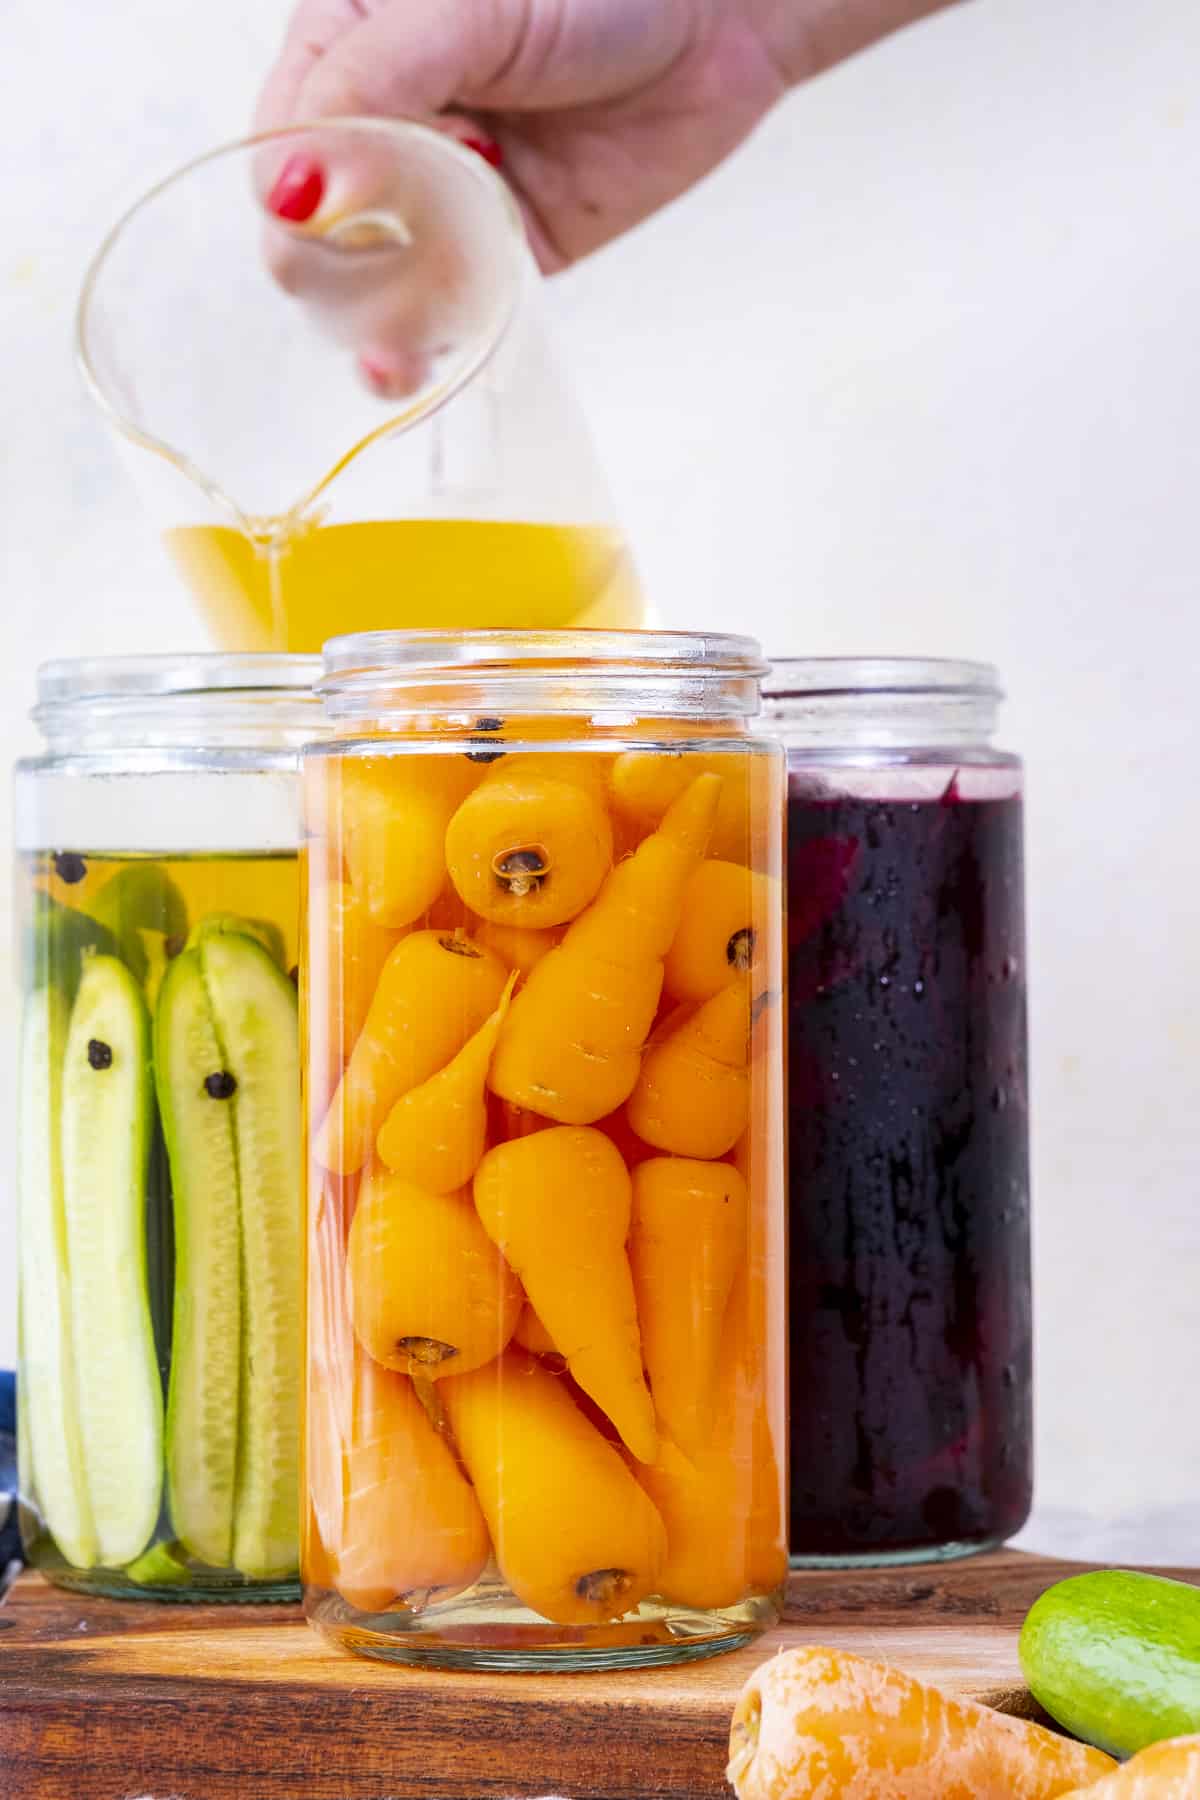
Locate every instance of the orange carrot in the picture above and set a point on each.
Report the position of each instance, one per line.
(687, 1238)
(435, 990)
(411, 1529)
(575, 1537)
(342, 930)
(394, 812)
(428, 1291)
(532, 1335)
(571, 1046)
(820, 1724)
(436, 1133)
(1166, 1771)
(693, 1094)
(557, 1206)
(723, 1508)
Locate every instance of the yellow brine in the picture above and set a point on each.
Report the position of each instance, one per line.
(402, 574)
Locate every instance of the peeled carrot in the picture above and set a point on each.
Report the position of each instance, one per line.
(428, 1290)
(819, 1724)
(646, 784)
(575, 1537)
(411, 1529)
(686, 1241)
(435, 990)
(436, 1133)
(532, 1335)
(529, 847)
(521, 947)
(1166, 1771)
(723, 1507)
(722, 935)
(342, 930)
(557, 1205)
(572, 1043)
(394, 813)
(693, 1094)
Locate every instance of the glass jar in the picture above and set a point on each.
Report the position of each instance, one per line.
(160, 1146)
(545, 1415)
(909, 1285)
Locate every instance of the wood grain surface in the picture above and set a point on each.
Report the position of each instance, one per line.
(116, 1700)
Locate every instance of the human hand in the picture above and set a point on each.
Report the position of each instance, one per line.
(599, 111)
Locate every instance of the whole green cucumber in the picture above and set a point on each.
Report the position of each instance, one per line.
(1114, 1656)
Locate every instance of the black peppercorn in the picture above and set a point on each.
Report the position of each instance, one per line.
(69, 867)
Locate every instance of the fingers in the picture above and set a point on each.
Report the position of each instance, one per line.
(421, 57)
(405, 58)
(315, 27)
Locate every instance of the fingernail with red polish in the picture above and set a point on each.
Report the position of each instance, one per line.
(488, 148)
(298, 191)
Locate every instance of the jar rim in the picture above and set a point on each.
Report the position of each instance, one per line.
(163, 677)
(371, 657)
(811, 677)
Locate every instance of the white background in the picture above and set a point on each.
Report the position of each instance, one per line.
(916, 372)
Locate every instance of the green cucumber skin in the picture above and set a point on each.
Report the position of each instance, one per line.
(1114, 1656)
(50, 1448)
(203, 1389)
(257, 1015)
(261, 931)
(107, 1126)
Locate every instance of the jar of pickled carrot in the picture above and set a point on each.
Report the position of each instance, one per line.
(160, 1151)
(545, 1418)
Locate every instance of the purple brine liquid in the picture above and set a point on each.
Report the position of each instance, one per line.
(909, 1281)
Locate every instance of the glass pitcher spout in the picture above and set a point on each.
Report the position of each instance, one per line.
(352, 420)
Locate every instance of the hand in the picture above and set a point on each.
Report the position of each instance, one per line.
(599, 111)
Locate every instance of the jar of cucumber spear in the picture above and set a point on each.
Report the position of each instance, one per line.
(160, 1159)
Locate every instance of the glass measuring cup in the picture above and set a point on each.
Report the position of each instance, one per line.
(355, 422)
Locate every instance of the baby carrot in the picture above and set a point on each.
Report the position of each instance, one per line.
(527, 847)
(819, 1724)
(571, 1045)
(519, 946)
(532, 1335)
(428, 1290)
(342, 930)
(646, 784)
(721, 933)
(575, 1537)
(723, 1507)
(693, 1094)
(436, 989)
(1166, 1771)
(557, 1205)
(411, 1529)
(687, 1238)
(394, 813)
(436, 1133)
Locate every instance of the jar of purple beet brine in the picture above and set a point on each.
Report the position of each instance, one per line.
(909, 1280)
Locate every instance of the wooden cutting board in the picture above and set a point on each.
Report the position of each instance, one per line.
(110, 1700)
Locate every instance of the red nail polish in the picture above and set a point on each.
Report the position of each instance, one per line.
(298, 191)
(488, 148)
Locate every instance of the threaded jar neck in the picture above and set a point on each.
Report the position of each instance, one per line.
(384, 679)
(140, 704)
(881, 705)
